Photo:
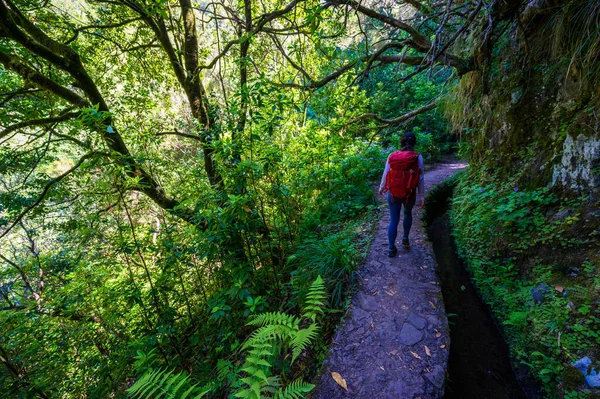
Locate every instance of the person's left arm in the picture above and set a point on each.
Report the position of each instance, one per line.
(384, 176)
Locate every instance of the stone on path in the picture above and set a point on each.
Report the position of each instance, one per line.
(410, 335)
(417, 321)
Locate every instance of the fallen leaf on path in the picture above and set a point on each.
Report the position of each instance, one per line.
(381, 367)
(442, 346)
(395, 351)
(438, 334)
(427, 351)
(432, 305)
(415, 355)
(339, 380)
(434, 283)
(559, 288)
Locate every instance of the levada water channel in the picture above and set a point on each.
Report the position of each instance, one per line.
(479, 365)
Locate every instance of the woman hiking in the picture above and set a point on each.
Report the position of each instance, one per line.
(403, 174)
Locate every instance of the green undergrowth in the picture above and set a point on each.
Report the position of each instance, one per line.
(531, 254)
(260, 374)
(269, 339)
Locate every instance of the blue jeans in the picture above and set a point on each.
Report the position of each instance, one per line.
(395, 207)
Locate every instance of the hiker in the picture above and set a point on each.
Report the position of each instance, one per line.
(403, 174)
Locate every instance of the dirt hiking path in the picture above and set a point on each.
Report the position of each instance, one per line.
(394, 341)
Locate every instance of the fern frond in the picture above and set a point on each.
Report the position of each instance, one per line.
(303, 339)
(315, 299)
(224, 369)
(271, 387)
(260, 390)
(258, 383)
(274, 318)
(270, 333)
(273, 326)
(212, 386)
(296, 390)
(161, 383)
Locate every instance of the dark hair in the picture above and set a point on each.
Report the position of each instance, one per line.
(408, 140)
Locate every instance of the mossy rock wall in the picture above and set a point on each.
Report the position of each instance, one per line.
(525, 215)
(531, 112)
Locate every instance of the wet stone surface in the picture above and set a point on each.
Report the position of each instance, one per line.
(394, 340)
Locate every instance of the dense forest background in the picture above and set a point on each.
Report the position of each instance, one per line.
(186, 188)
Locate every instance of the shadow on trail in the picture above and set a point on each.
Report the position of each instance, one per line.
(479, 366)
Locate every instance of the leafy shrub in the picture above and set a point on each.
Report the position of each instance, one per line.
(333, 257)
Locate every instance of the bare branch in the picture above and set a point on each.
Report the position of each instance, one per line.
(38, 122)
(10, 62)
(421, 43)
(11, 95)
(400, 119)
(287, 57)
(258, 27)
(100, 26)
(455, 36)
(181, 134)
(320, 83)
(24, 277)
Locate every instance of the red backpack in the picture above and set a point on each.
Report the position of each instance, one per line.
(403, 176)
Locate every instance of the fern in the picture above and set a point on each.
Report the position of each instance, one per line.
(276, 334)
(302, 339)
(257, 369)
(296, 390)
(315, 299)
(272, 333)
(163, 384)
(211, 386)
(274, 318)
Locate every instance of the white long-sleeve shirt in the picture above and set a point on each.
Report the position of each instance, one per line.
(420, 187)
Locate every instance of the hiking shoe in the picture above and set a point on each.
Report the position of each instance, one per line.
(405, 243)
(392, 252)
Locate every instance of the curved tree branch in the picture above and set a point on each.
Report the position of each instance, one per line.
(38, 122)
(421, 43)
(400, 119)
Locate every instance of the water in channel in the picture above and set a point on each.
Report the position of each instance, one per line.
(479, 365)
